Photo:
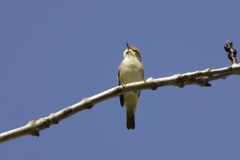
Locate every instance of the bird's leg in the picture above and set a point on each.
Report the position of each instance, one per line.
(123, 85)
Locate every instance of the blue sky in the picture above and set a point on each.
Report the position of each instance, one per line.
(55, 53)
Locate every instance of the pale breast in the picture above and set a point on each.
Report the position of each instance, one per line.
(131, 71)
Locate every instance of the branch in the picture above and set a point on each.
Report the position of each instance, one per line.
(200, 78)
(232, 52)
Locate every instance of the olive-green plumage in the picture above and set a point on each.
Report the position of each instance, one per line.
(130, 70)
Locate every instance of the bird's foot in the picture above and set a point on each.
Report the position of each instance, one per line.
(123, 85)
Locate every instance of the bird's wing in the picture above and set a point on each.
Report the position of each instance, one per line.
(143, 80)
(121, 96)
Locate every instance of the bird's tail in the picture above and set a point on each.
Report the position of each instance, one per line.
(130, 120)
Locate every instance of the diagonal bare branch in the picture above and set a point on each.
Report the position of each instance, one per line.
(201, 78)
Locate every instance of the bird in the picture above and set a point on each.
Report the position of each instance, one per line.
(130, 70)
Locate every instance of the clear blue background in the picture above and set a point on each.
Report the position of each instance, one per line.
(55, 53)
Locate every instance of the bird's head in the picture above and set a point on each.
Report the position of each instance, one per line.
(132, 51)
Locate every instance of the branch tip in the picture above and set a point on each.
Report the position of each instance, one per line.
(232, 52)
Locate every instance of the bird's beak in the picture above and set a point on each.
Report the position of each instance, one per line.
(127, 45)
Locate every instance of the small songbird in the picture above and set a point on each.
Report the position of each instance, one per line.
(130, 70)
